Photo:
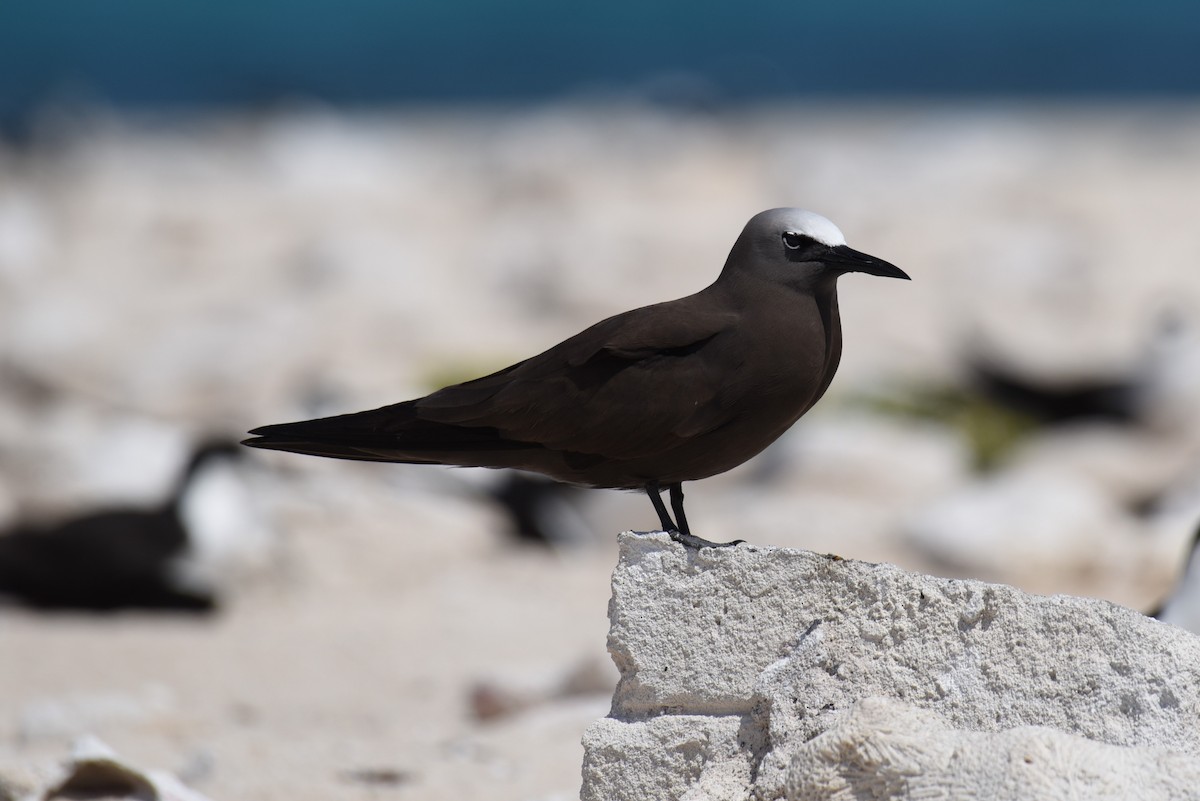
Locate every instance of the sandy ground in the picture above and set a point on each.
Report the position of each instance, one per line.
(348, 687)
(159, 281)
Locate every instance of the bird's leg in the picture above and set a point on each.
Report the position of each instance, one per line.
(677, 507)
(684, 536)
(664, 519)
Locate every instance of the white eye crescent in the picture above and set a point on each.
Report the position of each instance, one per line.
(794, 241)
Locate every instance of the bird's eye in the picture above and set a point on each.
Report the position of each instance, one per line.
(793, 240)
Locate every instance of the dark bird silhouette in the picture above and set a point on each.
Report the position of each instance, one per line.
(539, 510)
(110, 560)
(648, 399)
(1182, 607)
(1116, 399)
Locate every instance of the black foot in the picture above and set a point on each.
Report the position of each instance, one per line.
(696, 543)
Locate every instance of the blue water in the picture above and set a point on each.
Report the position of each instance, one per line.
(151, 53)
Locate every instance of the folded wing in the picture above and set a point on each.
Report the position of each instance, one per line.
(607, 392)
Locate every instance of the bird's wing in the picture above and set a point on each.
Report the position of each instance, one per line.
(629, 386)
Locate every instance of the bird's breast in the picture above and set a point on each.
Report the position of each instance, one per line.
(774, 373)
(787, 357)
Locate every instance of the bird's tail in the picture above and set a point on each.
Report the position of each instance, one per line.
(389, 434)
(345, 436)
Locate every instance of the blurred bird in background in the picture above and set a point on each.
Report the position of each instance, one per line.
(1182, 606)
(136, 558)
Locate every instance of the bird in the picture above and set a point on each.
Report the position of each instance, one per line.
(1182, 607)
(538, 509)
(645, 400)
(121, 558)
(1117, 399)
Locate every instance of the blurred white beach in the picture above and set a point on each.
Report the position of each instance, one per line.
(164, 280)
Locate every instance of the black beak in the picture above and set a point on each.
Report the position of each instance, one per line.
(849, 260)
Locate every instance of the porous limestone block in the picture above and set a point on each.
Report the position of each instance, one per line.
(697, 757)
(888, 749)
(780, 645)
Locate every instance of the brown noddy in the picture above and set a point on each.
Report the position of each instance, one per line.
(648, 399)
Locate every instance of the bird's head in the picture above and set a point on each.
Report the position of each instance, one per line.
(798, 248)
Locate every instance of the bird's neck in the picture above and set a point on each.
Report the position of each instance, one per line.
(831, 321)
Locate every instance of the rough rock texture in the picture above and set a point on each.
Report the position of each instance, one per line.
(762, 672)
(889, 749)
